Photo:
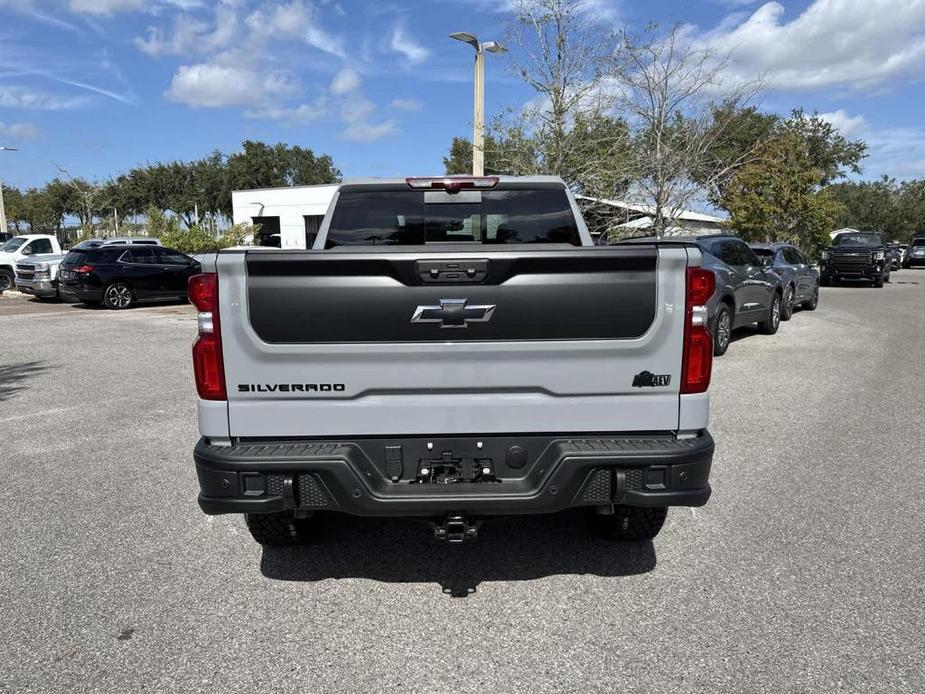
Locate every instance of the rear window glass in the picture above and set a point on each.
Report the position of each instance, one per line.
(369, 218)
(918, 242)
(763, 252)
(74, 258)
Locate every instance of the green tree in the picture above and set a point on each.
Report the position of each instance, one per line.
(832, 155)
(459, 160)
(777, 196)
(14, 208)
(260, 165)
(869, 204)
(735, 131)
(40, 211)
(911, 210)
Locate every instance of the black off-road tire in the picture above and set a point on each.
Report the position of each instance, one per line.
(786, 307)
(278, 529)
(631, 523)
(812, 302)
(721, 336)
(7, 280)
(770, 326)
(878, 283)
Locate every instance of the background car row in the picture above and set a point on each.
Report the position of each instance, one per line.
(764, 284)
(114, 272)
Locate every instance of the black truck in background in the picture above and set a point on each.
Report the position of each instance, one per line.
(856, 255)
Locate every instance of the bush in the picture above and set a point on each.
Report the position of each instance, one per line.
(196, 239)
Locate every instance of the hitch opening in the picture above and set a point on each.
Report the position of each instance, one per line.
(456, 530)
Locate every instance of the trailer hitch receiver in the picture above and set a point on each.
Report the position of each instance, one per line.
(456, 530)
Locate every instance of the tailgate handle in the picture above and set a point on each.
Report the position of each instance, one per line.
(452, 271)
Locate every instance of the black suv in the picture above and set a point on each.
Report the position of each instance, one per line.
(856, 255)
(120, 276)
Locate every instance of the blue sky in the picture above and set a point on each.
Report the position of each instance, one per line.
(100, 86)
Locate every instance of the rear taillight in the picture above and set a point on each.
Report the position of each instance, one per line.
(452, 184)
(84, 269)
(697, 359)
(207, 350)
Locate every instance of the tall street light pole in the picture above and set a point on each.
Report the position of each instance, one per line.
(2, 208)
(478, 102)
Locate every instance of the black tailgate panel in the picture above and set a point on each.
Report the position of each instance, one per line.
(574, 294)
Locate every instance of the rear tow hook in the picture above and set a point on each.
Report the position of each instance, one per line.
(456, 530)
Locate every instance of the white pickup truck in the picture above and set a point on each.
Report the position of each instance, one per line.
(453, 348)
(28, 248)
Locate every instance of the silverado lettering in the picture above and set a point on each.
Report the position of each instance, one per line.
(291, 387)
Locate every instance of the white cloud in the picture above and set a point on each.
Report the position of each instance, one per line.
(299, 115)
(19, 131)
(356, 112)
(22, 97)
(403, 43)
(293, 18)
(324, 41)
(191, 35)
(208, 85)
(345, 81)
(105, 7)
(367, 132)
(847, 125)
(406, 104)
(855, 43)
(895, 151)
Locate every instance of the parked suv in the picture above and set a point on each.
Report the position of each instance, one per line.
(119, 276)
(915, 254)
(799, 279)
(746, 291)
(856, 255)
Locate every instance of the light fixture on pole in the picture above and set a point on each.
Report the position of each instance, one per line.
(478, 106)
(2, 209)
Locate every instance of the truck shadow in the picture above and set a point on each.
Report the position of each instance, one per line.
(508, 549)
(13, 377)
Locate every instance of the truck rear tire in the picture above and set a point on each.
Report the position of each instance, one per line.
(281, 529)
(631, 523)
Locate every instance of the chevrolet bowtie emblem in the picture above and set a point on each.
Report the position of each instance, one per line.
(453, 313)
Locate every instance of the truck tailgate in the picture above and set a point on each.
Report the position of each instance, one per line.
(383, 342)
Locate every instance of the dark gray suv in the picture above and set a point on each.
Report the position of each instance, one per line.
(799, 279)
(746, 291)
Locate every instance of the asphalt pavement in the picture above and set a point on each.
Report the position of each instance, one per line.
(804, 573)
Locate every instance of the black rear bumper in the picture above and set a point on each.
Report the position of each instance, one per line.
(381, 477)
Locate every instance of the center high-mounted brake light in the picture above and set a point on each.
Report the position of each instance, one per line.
(697, 358)
(452, 184)
(208, 366)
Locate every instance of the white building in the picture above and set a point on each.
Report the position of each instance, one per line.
(641, 217)
(285, 217)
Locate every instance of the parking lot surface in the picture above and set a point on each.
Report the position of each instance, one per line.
(803, 573)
